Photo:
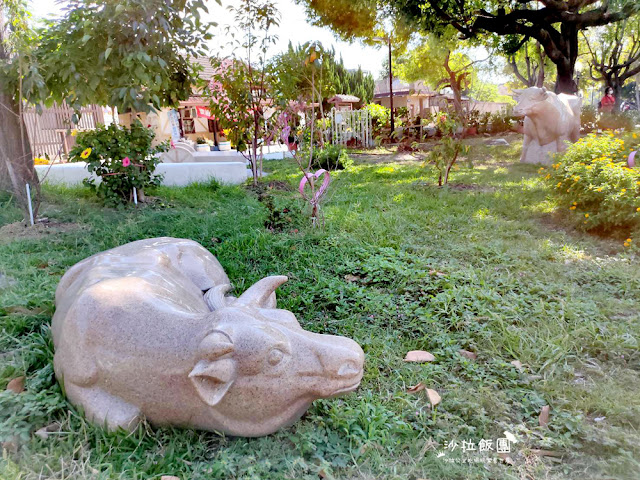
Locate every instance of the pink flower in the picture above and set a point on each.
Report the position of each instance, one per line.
(173, 145)
(126, 162)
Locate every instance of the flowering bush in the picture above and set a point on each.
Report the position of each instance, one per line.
(122, 157)
(592, 180)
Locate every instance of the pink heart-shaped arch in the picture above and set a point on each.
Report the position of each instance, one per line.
(323, 188)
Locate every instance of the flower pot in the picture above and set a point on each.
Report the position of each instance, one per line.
(224, 146)
(202, 147)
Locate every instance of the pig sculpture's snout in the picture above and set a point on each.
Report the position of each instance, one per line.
(341, 365)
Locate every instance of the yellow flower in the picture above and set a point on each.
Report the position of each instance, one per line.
(625, 244)
(572, 207)
(74, 132)
(629, 240)
(589, 167)
(40, 161)
(623, 190)
(600, 189)
(638, 209)
(586, 215)
(86, 153)
(560, 184)
(547, 177)
(635, 136)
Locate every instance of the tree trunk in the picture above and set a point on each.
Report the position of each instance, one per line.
(541, 59)
(564, 80)
(16, 160)
(566, 64)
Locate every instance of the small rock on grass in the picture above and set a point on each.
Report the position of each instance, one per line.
(419, 356)
(16, 385)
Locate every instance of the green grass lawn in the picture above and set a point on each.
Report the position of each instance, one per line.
(400, 265)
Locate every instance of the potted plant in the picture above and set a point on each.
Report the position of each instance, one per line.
(473, 122)
(223, 144)
(202, 145)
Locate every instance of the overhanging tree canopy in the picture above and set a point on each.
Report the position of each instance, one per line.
(554, 23)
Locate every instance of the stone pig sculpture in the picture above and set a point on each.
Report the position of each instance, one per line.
(147, 330)
(550, 121)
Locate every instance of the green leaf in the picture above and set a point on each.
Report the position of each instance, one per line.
(107, 52)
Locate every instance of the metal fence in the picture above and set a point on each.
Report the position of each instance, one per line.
(49, 132)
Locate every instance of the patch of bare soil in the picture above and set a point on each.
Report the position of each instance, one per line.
(42, 228)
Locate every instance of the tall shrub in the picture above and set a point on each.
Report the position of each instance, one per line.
(122, 158)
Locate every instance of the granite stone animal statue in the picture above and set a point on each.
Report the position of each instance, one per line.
(550, 121)
(147, 330)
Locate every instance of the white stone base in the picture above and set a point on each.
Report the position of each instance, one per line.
(536, 153)
(175, 174)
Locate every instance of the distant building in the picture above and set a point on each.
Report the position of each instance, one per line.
(419, 99)
(344, 102)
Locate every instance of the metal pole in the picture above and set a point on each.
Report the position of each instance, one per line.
(391, 87)
(29, 203)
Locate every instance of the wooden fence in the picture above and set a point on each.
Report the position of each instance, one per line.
(49, 132)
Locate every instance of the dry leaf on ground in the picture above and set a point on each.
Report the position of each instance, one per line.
(419, 356)
(434, 397)
(416, 388)
(16, 385)
(468, 354)
(44, 432)
(545, 453)
(517, 364)
(506, 458)
(543, 418)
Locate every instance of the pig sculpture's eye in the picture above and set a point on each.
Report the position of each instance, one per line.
(275, 356)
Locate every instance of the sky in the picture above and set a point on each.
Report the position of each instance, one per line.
(293, 27)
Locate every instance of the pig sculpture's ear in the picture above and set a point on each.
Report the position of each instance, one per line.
(261, 294)
(215, 373)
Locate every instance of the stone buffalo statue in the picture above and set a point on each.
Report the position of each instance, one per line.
(550, 121)
(146, 330)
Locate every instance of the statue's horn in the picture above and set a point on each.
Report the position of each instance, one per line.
(262, 293)
(215, 297)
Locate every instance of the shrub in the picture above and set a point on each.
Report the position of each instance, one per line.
(592, 180)
(500, 122)
(380, 117)
(332, 157)
(122, 157)
(589, 118)
(617, 120)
